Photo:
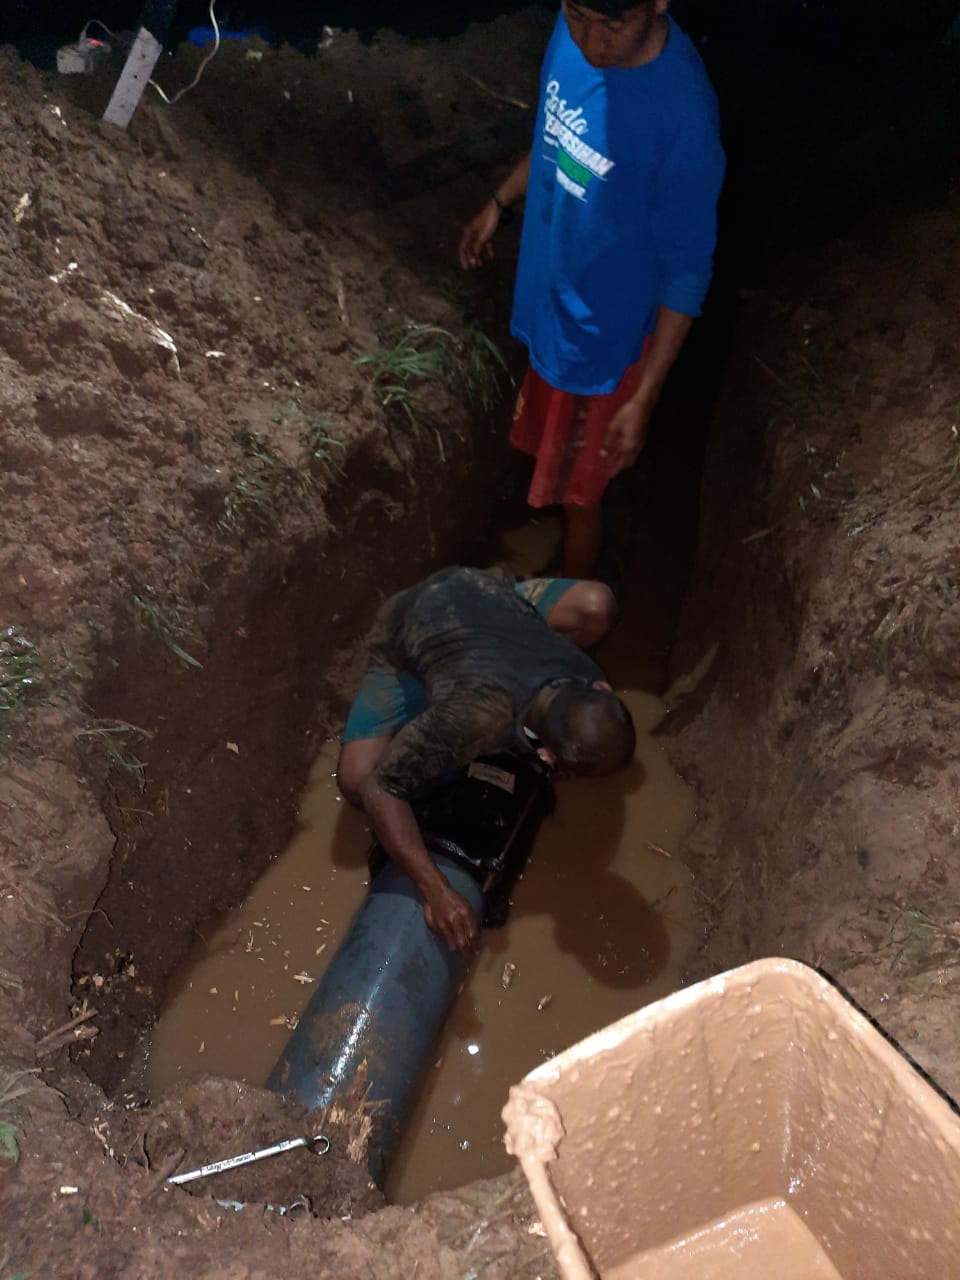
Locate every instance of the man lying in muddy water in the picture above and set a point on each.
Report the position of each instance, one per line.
(464, 664)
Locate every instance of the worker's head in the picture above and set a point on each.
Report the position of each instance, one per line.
(613, 33)
(586, 731)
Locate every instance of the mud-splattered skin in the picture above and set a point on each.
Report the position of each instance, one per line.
(483, 653)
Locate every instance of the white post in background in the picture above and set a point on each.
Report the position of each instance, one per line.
(133, 79)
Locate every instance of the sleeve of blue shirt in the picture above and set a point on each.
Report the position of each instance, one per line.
(684, 215)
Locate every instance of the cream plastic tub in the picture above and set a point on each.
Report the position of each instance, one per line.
(754, 1125)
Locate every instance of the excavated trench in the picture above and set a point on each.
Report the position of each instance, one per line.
(229, 755)
(601, 922)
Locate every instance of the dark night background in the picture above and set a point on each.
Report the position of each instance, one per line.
(855, 25)
(860, 96)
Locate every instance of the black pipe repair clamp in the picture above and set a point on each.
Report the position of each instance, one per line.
(392, 981)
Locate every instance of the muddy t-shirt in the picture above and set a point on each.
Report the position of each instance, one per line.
(483, 653)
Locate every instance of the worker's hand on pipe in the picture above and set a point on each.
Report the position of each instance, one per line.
(450, 914)
(475, 241)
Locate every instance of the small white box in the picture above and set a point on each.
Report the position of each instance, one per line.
(77, 59)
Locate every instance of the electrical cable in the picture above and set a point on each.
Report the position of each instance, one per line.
(200, 70)
(95, 22)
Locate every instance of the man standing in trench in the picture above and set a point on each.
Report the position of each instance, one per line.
(617, 248)
(465, 664)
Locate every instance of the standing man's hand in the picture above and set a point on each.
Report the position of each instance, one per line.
(626, 436)
(450, 914)
(477, 236)
(630, 425)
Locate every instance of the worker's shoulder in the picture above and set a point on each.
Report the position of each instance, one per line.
(687, 73)
(471, 581)
(456, 596)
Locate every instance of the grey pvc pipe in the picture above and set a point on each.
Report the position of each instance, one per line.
(383, 1000)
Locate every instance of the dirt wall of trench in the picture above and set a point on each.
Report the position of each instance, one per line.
(205, 497)
(816, 679)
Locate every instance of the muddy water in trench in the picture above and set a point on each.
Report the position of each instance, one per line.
(601, 923)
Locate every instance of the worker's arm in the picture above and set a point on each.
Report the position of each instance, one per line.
(476, 240)
(446, 911)
(454, 730)
(683, 219)
(628, 430)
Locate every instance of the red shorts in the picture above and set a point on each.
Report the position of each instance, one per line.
(565, 432)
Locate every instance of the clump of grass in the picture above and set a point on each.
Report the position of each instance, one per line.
(9, 1146)
(913, 946)
(822, 469)
(483, 367)
(470, 362)
(21, 674)
(420, 355)
(803, 397)
(266, 482)
(258, 488)
(12, 1086)
(802, 388)
(115, 739)
(922, 943)
(319, 446)
(906, 635)
(23, 683)
(162, 621)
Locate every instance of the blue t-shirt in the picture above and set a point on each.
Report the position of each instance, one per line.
(620, 217)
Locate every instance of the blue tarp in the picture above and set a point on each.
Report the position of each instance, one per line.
(202, 36)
